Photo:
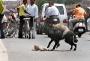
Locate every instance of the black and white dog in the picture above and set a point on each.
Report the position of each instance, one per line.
(56, 35)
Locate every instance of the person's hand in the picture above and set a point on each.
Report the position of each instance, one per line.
(44, 19)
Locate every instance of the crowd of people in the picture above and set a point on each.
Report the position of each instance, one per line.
(23, 9)
(31, 9)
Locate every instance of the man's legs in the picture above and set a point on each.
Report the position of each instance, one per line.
(72, 23)
(32, 27)
(31, 22)
(1, 26)
(21, 27)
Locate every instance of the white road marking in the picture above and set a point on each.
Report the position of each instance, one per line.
(3, 52)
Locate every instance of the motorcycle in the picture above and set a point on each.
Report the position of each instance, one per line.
(49, 23)
(79, 28)
(44, 25)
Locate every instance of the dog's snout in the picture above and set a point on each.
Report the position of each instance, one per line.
(76, 40)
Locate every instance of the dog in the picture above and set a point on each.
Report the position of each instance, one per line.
(60, 32)
(38, 48)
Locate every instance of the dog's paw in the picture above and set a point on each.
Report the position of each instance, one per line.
(52, 50)
(57, 45)
(74, 49)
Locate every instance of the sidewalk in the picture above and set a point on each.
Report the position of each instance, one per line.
(3, 52)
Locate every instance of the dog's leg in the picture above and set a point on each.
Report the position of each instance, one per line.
(75, 47)
(49, 43)
(56, 43)
(71, 47)
(29, 34)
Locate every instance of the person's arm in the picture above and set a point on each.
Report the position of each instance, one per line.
(27, 12)
(85, 14)
(58, 14)
(47, 12)
(4, 8)
(36, 12)
(18, 10)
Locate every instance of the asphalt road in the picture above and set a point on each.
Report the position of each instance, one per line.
(21, 49)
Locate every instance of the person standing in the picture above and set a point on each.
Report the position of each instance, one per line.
(2, 9)
(32, 9)
(21, 11)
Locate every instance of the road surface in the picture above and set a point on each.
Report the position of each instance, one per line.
(21, 49)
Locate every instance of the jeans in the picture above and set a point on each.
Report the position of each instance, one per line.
(21, 27)
(74, 21)
(1, 26)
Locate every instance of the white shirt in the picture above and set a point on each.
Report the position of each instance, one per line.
(52, 11)
(32, 9)
(4, 19)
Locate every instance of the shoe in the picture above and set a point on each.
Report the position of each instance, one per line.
(20, 37)
(29, 37)
(2, 38)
